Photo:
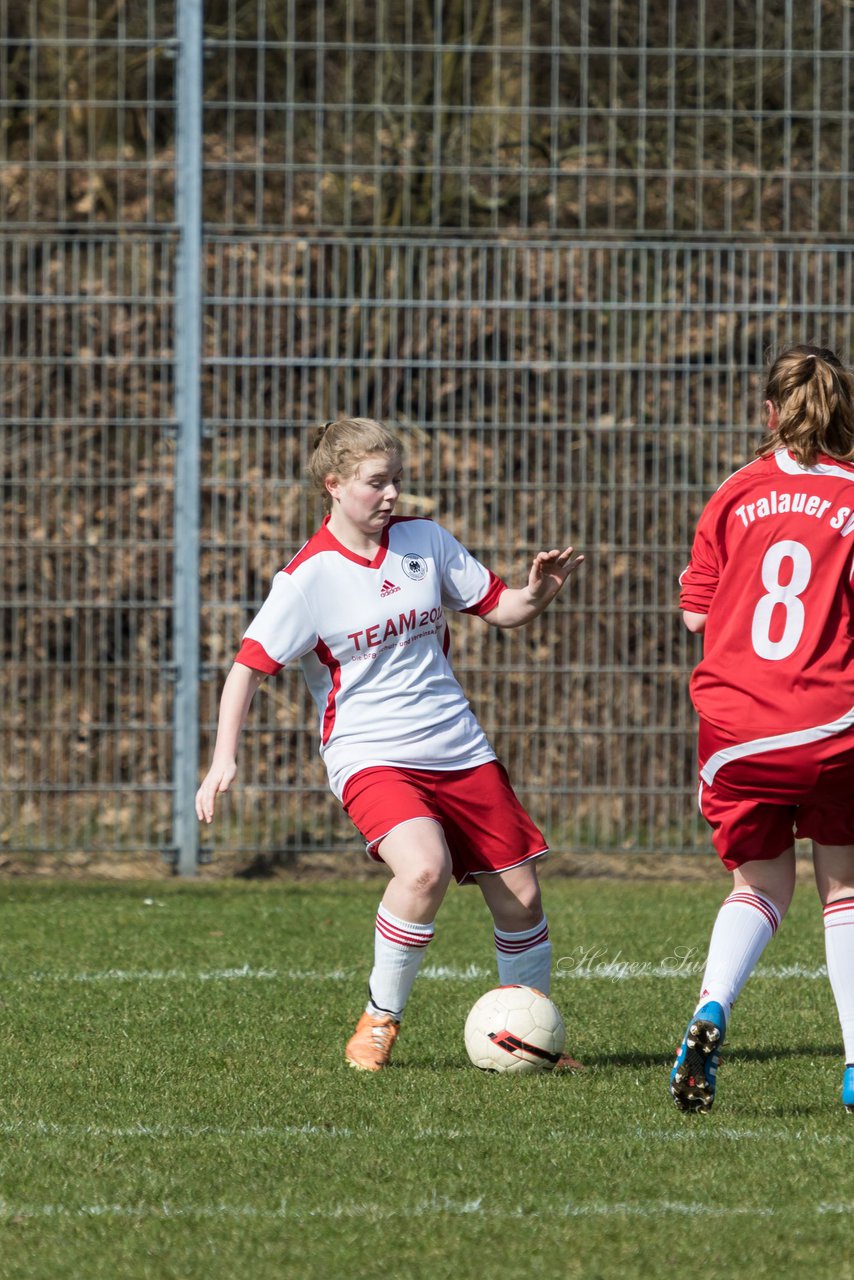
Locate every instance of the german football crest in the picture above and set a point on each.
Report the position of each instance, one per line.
(415, 567)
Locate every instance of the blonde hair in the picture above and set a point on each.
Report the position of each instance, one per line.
(340, 446)
(813, 394)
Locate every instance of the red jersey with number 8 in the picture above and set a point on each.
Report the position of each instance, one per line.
(771, 566)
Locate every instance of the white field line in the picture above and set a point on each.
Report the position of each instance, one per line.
(436, 1206)
(165, 1132)
(566, 970)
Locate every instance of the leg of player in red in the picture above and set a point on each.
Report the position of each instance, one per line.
(834, 874)
(746, 922)
(755, 841)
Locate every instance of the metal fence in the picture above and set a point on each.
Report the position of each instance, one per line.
(551, 242)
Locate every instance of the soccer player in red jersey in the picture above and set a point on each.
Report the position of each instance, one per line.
(362, 608)
(769, 585)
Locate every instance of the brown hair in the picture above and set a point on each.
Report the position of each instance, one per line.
(340, 446)
(813, 394)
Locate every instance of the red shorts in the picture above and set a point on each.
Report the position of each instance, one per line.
(485, 826)
(757, 803)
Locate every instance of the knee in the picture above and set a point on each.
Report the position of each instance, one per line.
(430, 879)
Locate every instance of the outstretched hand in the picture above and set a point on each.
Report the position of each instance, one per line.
(550, 571)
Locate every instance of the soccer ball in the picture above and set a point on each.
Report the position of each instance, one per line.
(515, 1029)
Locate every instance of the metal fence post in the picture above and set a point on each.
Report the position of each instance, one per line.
(187, 329)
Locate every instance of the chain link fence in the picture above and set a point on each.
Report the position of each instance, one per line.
(550, 242)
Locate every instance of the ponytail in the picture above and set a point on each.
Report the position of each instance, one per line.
(813, 394)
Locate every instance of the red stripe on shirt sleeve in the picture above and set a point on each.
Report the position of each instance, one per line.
(495, 589)
(252, 654)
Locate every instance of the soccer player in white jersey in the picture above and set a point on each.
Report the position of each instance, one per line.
(770, 587)
(362, 607)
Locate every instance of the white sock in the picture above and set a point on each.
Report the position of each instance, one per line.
(525, 958)
(745, 925)
(839, 948)
(399, 947)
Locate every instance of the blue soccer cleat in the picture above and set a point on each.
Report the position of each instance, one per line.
(848, 1088)
(694, 1074)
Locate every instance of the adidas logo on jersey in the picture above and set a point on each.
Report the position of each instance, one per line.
(388, 588)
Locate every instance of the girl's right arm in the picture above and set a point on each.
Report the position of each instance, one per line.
(237, 694)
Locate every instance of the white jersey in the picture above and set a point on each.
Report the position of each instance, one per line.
(373, 643)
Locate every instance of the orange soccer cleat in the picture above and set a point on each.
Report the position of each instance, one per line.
(370, 1046)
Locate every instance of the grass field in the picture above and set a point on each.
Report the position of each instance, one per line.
(174, 1100)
